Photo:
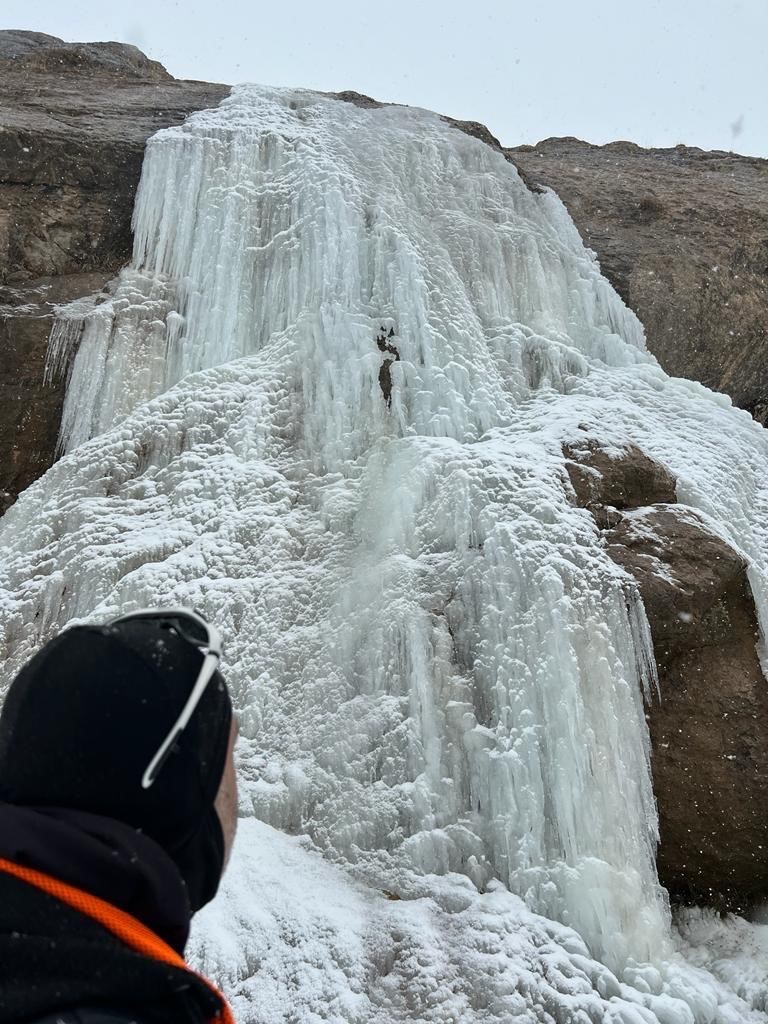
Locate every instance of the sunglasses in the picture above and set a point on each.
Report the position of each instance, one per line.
(206, 638)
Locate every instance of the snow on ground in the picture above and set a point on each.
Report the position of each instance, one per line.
(437, 668)
(309, 943)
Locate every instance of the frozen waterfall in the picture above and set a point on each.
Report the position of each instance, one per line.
(326, 405)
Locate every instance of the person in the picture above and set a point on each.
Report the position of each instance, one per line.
(118, 809)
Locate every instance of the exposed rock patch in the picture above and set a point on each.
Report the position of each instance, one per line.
(476, 130)
(358, 99)
(391, 355)
(480, 131)
(607, 480)
(710, 760)
(708, 728)
(30, 412)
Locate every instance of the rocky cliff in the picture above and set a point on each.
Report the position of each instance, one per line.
(683, 237)
(709, 717)
(73, 124)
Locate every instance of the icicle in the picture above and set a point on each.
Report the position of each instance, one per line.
(65, 334)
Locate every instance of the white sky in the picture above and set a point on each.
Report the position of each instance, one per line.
(657, 72)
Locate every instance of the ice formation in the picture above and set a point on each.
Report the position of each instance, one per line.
(325, 405)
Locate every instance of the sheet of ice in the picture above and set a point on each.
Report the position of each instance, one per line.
(438, 670)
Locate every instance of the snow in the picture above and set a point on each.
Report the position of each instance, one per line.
(438, 670)
(321, 946)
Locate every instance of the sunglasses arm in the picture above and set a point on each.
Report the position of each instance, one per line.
(207, 669)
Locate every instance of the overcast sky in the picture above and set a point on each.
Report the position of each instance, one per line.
(657, 72)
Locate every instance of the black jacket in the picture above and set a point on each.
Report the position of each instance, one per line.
(55, 960)
(89, 1016)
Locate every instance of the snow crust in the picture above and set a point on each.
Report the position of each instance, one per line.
(323, 947)
(438, 670)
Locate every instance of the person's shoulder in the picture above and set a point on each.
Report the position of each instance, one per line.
(113, 1015)
(89, 1015)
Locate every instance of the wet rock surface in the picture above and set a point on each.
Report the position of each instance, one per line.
(682, 235)
(709, 720)
(73, 125)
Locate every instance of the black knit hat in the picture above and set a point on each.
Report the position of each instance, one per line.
(83, 719)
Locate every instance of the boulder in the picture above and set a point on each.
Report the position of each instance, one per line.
(709, 719)
(609, 479)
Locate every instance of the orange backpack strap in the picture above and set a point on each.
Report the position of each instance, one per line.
(132, 932)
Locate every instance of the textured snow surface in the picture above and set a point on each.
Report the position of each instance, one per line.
(438, 670)
(322, 947)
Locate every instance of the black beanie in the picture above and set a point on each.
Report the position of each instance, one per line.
(85, 716)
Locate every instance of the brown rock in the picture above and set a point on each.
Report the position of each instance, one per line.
(358, 99)
(708, 729)
(36, 51)
(607, 478)
(476, 130)
(709, 720)
(73, 125)
(30, 412)
(682, 235)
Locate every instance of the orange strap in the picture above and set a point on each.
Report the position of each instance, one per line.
(129, 929)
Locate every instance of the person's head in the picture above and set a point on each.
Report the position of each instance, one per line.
(96, 722)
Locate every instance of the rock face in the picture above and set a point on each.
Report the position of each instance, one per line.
(36, 51)
(683, 237)
(73, 125)
(709, 721)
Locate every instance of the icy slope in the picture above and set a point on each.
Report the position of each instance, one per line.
(438, 670)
